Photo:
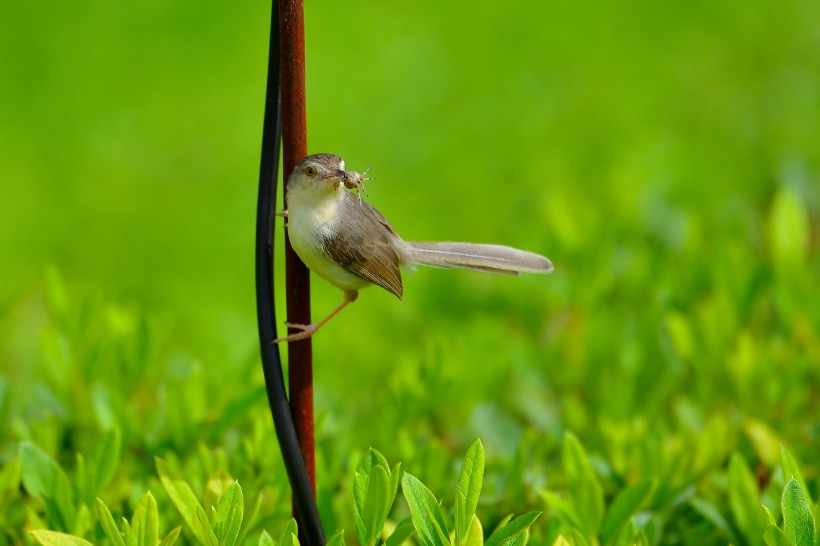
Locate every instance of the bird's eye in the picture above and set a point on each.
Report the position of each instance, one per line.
(310, 171)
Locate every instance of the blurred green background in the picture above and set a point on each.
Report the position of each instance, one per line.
(664, 156)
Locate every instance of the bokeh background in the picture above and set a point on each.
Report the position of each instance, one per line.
(666, 157)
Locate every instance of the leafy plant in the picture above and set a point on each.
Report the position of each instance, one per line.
(142, 530)
(224, 524)
(799, 527)
(68, 521)
(428, 517)
(581, 509)
(374, 488)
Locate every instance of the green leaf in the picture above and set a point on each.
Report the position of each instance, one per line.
(108, 524)
(626, 534)
(401, 533)
(563, 508)
(788, 227)
(561, 540)
(376, 504)
(641, 539)
(128, 536)
(171, 537)
(106, 458)
(10, 475)
(229, 513)
(217, 483)
(651, 524)
(53, 538)
(468, 489)
(84, 523)
(628, 501)
(680, 331)
(249, 518)
(520, 539)
(145, 521)
(360, 481)
(425, 512)
(475, 533)
(575, 461)
(773, 536)
(586, 489)
(578, 539)
(203, 529)
(798, 520)
(791, 468)
(770, 520)
(56, 296)
(395, 476)
(265, 539)
(514, 532)
(45, 480)
(502, 522)
(337, 540)
(744, 499)
(83, 481)
(180, 493)
(289, 539)
(374, 490)
(373, 458)
(709, 511)
(290, 534)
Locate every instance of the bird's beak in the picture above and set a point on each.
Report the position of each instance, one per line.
(336, 175)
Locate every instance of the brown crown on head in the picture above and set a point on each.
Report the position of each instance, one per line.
(331, 161)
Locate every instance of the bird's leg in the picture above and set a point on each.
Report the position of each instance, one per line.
(308, 330)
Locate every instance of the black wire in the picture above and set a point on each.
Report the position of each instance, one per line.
(266, 313)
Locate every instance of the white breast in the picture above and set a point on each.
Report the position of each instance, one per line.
(311, 217)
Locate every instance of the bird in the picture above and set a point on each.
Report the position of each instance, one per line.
(350, 244)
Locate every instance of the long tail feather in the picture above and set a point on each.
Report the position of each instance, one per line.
(502, 260)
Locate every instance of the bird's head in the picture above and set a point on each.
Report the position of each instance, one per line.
(319, 173)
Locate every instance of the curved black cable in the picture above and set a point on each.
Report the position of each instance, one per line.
(266, 313)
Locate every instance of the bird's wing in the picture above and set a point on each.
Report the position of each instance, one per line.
(361, 243)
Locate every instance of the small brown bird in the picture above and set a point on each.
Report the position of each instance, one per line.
(350, 244)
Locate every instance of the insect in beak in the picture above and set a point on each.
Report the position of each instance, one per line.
(355, 180)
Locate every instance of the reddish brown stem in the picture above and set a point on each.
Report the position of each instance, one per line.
(294, 148)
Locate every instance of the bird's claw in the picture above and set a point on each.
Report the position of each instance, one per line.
(306, 330)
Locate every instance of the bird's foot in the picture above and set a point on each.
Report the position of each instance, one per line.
(307, 330)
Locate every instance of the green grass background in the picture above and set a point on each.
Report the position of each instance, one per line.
(666, 157)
